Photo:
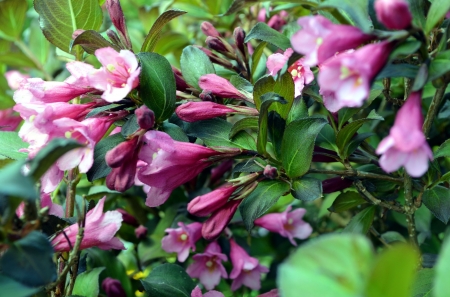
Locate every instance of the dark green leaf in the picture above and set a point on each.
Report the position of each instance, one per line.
(298, 110)
(11, 143)
(12, 18)
(243, 85)
(237, 5)
(345, 114)
(307, 189)
(440, 65)
(30, 260)
(437, 200)
(266, 101)
(242, 124)
(327, 138)
(59, 19)
(155, 32)
(100, 169)
(436, 13)
(12, 288)
(394, 272)
(356, 141)
(406, 48)
(91, 41)
(417, 8)
(283, 87)
(276, 125)
(168, 280)
(423, 286)
(130, 126)
(247, 166)
(194, 64)
(15, 184)
(298, 144)
(87, 283)
(174, 131)
(361, 222)
(346, 201)
(444, 150)
(421, 78)
(262, 31)
(157, 85)
(358, 11)
(97, 110)
(398, 70)
(259, 50)
(260, 200)
(441, 283)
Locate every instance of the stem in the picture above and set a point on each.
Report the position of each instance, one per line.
(409, 211)
(378, 236)
(72, 181)
(359, 185)
(24, 48)
(363, 174)
(434, 108)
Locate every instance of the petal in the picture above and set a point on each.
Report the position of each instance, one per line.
(417, 163)
(209, 278)
(392, 160)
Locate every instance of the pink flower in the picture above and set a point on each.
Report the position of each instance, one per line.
(276, 62)
(118, 76)
(302, 75)
(46, 201)
(181, 240)
(394, 14)
(15, 78)
(204, 205)
(246, 270)
(99, 231)
(207, 267)
(172, 163)
(113, 288)
(8, 120)
(272, 293)
(406, 144)
(197, 292)
(219, 220)
(319, 39)
(209, 30)
(219, 86)
(287, 224)
(145, 117)
(197, 111)
(346, 78)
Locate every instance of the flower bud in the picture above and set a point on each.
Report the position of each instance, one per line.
(394, 14)
(115, 157)
(118, 20)
(270, 172)
(203, 205)
(209, 30)
(197, 111)
(145, 117)
(239, 37)
(114, 38)
(140, 232)
(220, 45)
(77, 33)
(128, 218)
(113, 288)
(335, 184)
(206, 95)
(218, 220)
(219, 86)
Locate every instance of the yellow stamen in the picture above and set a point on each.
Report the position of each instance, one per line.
(183, 237)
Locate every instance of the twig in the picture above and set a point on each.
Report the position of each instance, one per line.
(363, 174)
(409, 211)
(378, 236)
(359, 185)
(433, 109)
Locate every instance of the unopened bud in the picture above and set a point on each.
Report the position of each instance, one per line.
(206, 95)
(140, 232)
(209, 30)
(128, 218)
(113, 288)
(394, 14)
(220, 45)
(118, 19)
(114, 38)
(77, 33)
(239, 37)
(145, 117)
(115, 157)
(270, 172)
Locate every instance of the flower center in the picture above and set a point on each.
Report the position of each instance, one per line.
(290, 221)
(183, 237)
(110, 67)
(209, 264)
(294, 73)
(68, 134)
(319, 41)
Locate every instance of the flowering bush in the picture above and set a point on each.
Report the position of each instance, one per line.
(206, 148)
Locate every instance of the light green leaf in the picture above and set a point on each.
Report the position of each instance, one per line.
(262, 31)
(87, 283)
(12, 18)
(361, 222)
(436, 13)
(441, 283)
(444, 150)
(423, 285)
(358, 11)
(11, 143)
(194, 64)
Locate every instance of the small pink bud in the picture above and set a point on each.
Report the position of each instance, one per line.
(394, 14)
(219, 86)
(115, 157)
(206, 95)
(219, 220)
(145, 117)
(270, 172)
(113, 288)
(118, 20)
(272, 293)
(197, 111)
(209, 30)
(203, 205)
(77, 33)
(239, 37)
(220, 45)
(128, 218)
(140, 232)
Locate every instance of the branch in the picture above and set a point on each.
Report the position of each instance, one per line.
(433, 110)
(375, 201)
(362, 174)
(409, 211)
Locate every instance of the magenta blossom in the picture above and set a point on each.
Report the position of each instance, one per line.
(246, 270)
(394, 14)
(219, 220)
(319, 39)
(197, 111)
(346, 78)
(276, 62)
(8, 120)
(197, 292)
(406, 144)
(99, 231)
(288, 224)
(181, 240)
(207, 267)
(302, 75)
(204, 205)
(14, 78)
(172, 163)
(113, 288)
(221, 87)
(118, 76)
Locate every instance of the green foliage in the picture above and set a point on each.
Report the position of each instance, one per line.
(266, 101)
(306, 189)
(358, 11)
(59, 20)
(91, 41)
(436, 13)
(437, 200)
(346, 201)
(87, 283)
(100, 169)
(11, 144)
(361, 222)
(263, 32)
(12, 18)
(194, 64)
(12, 288)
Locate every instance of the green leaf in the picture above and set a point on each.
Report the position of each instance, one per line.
(155, 32)
(99, 168)
(346, 201)
(298, 110)
(361, 222)
(306, 189)
(257, 53)
(174, 131)
(334, 265)
(91, 41)
(242, 124)
(37, 41)
(168, 280)
(327, 138)
(358, 11)
(243, 85)
(16, 59)
(266, 101)
(130, 126)
(440, 65)
(276, 126)
(398, 70)
(394, 272)
(47, 156)
(283, 87)
(12, 18)
(12, 288)
(260, 200)
(30, 260)
(421, 78)
(97, 110)
(262, 31)
(157, 84)
(345, 114)
(194, 64)
(444, 150)
(417, 8)
(298, 145)
(59, 19)
(237, 5)
(11, 143)
(406, 48)
(15, 184)
(346, 134)
(87, 283)
(423, 285)
(437, 200)
(436, 13)
(356, 141)
(441, 283)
